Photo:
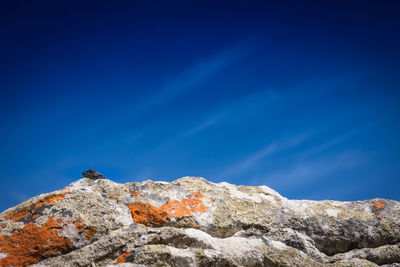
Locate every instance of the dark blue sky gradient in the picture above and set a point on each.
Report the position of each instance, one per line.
(299, 96)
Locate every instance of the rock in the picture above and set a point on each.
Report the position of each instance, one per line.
(194, 222)
(92, 174)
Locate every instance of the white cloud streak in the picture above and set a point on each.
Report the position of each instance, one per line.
(187, 80)
(198, 74)
(269, 150)
(20, 197)
(306, 172)
(337, 140)
(235, 110)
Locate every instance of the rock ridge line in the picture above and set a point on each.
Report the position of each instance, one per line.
(194, 222)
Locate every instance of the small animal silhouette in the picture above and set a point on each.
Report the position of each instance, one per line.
(92, 174)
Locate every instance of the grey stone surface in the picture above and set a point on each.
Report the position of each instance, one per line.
(194, 222)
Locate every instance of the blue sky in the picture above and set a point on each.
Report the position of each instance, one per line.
(301, 97)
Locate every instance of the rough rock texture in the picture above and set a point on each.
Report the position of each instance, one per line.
(193, 222)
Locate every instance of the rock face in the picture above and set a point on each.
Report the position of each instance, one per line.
(193, 222)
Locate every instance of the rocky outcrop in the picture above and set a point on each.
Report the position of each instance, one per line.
(194, 222)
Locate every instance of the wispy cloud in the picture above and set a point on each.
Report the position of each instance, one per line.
(307, 171)
(199, 73)
(315, 163)
(231, 110)
(269, 150)
(335, 141)
(173, 88)
(345, 192)
(252, 107)
(207, 123)
(18, 196)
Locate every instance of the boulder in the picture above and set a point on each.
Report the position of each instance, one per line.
(194, 222)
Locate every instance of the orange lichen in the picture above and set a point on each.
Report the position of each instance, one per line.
(122, 258)
(32, 210)
(196, 225)
(82, 228)
(378, 205)
(28, 245)
(186, 206)
(2, 225)
(135, 194)
(51, 199)
(150, 215)
(19, 214)
(89, 231)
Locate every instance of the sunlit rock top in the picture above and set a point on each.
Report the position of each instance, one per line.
(194, 222)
